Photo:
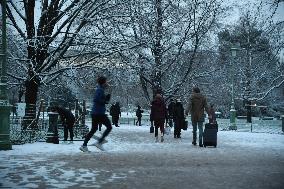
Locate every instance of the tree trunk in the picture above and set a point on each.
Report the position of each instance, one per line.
(32, 87)
(157, 51)
(145, 88)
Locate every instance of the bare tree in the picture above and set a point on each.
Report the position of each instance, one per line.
(50, 31)
(167, 31)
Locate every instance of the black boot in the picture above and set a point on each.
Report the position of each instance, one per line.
(194, 139)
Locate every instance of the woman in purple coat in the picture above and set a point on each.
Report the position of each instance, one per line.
(158, 115)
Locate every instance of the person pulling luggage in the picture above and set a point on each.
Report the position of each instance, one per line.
(196, 106)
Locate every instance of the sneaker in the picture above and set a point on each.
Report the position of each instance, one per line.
(99, 146)
(84, 148)
(162, 139)
(157, 140)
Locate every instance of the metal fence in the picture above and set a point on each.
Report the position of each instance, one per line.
(258, 125)
(20, 134)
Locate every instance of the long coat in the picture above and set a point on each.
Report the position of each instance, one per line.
(197, 105)
(178, 113)
(139, 112)
(115, 110)
(158, 110)
(171, 109)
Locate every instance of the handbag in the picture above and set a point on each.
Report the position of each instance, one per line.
(151, 129)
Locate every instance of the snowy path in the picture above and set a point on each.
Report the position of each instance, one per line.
(133, 160)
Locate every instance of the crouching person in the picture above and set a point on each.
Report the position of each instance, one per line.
(68, 121)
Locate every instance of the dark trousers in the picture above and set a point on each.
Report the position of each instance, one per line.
(68, 127)
(112, 120)
(96, 120)
(138, 121)
(159, 124)
(194, 131)
(115, 120)
(177, 127)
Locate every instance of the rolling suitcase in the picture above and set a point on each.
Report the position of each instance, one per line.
(210, 134)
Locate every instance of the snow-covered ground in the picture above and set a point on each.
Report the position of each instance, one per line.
(133, 160)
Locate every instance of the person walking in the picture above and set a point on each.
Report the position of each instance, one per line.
(178, 117)
(14, 110)
(196, 106)
(158, 115)
(99, 114)
(139, 115)
(116, 113)
(171, 112)
(68, 121)
(111, 110)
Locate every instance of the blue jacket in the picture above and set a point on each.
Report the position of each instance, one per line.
(99, 101)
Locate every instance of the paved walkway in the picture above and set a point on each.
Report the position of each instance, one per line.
(134, 161)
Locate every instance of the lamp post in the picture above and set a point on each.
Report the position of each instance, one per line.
(233, 125)
(5, 143)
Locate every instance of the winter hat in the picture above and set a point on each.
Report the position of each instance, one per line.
(158, 96)
(101, 80)
(196, 90)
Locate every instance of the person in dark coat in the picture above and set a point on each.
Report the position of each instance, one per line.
(139, 115)
(158, 115)
(171, 112)
(68, 121)
(14, 109)
(99, 114)
(111, 109)
(115, 113)
(178, 117)
(197, 105)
